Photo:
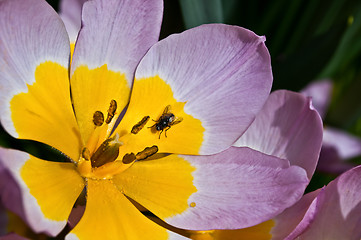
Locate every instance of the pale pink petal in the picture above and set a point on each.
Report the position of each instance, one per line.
(222, 73)
(287, 127)
(308, 218)
(43, 179)
(34, 59)
(292, 221)
(332, 212)
(243, 187)
(70, 13)
(31, 33)
(117, 33)
(338, 214)
(234, 189)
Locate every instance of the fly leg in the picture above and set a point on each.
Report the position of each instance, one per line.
(161, 134)
(165, 132)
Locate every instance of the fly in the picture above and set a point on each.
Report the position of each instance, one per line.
(166, 121)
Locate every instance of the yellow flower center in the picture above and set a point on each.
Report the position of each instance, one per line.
(107, 160)
(155, 121)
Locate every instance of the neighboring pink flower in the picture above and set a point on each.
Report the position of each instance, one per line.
(333, 212)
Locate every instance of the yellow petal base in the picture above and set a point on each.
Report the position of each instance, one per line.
(152, 97)
(258, 232)
(45, 113)
(55, 186)
(109, 215)
(163, 185)
(93, 90)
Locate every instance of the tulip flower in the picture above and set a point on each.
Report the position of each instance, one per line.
(138, 120)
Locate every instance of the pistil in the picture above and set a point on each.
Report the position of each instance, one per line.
(107, 152)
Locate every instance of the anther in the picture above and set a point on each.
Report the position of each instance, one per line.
(98, 118)
(137, 127)
(147, 152)
(111, 111)
(128, 158)
(85, 153)
(107, 152)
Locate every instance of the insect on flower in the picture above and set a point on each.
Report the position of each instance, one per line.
(166, 120)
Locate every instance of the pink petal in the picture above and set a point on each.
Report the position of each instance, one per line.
(70, 13)
(287, 127)
(234, 189)
(292, 221)
(29, 173)
(338, 210)
(34, 43)
(222, 72)
(35, 35)
(255, 186)
(117, 33)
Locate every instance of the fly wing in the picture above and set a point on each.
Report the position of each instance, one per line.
(176, 121)
(166, 109)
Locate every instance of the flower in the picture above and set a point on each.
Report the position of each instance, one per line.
(338, 146)
(332, 212)
(192, 93)
(288, 127)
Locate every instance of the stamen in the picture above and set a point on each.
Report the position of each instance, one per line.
(107, 152)
(137, 127)
(111, 111)
(85, 153)
(128, 158)
(147, 152)
(98, 118)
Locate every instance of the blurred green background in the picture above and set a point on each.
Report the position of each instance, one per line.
(308, 40)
